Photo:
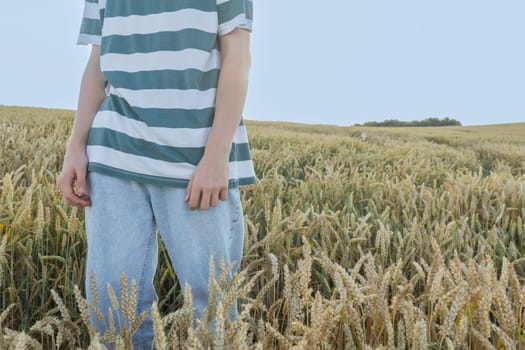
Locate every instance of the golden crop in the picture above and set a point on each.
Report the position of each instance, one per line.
(413, 239)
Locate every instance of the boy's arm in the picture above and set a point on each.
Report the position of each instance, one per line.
(210, 178)
(74, 169)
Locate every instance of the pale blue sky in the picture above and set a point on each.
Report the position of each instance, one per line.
(331, 62)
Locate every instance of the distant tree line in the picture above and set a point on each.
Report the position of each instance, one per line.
(425, 122)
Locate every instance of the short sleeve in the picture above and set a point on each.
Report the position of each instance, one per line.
(91, 25)
(234, 14)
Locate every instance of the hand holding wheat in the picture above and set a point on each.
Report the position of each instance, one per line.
(72, 180)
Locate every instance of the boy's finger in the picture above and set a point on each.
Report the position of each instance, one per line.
(223, 194)
(188, 191)
(72, 199)
(194, 197)
(214, 199)
(81, 181)
(205, 200)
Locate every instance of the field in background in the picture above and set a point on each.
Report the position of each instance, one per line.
(412, 239)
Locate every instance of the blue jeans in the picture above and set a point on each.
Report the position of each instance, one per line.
(121, 226)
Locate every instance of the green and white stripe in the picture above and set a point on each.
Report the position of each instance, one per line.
(161, 22)
(157, 60)
(162, 62)
(174, 137)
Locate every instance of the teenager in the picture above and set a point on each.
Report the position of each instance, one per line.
(159, 143)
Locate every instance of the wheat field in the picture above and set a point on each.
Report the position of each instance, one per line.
(413, 239)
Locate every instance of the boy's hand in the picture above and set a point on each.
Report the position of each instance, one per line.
(208, 183)
(72, 180)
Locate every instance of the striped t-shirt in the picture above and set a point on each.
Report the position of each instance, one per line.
(161, 61)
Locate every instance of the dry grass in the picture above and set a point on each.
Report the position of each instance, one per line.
(413, 239)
